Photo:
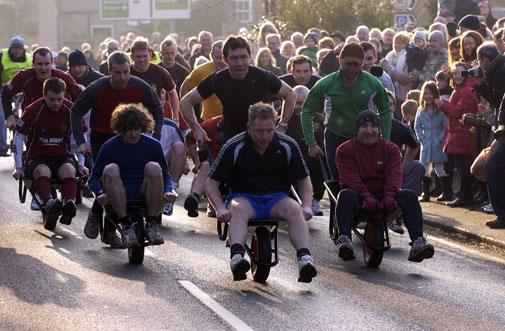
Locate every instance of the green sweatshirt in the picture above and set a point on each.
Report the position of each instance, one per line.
(342, 106)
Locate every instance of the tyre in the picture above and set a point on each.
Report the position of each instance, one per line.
(22, 191)
(333, 225)
(374, 236)
(261, 247)
(136, 254)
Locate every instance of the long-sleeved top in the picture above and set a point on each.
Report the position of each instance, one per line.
(342, 106)
(375, 169)
(102, 99)
(430, 130)
(131, 159)
(460, 140)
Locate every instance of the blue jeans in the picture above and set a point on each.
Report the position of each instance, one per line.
(348, 200)
(495, 171)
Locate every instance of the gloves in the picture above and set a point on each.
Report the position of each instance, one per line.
(369, 202)
(389, 202)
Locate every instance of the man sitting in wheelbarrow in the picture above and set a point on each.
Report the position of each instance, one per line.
(258, 167)
(370, 171)
(45, 128)
(131, 167)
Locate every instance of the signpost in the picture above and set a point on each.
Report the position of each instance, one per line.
(144, 9)
(404, 16)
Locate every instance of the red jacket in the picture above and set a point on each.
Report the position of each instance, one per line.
(459, 139)
(376, 168)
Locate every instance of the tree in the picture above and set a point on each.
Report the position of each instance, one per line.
(331, 15)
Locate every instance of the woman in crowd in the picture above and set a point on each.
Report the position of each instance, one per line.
(470, 41)
(461, 142)
(266, 61)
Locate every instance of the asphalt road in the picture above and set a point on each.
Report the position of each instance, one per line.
(60, 280)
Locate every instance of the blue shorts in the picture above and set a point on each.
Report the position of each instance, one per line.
(262, 204)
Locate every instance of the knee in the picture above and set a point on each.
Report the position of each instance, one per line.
(347, 197)
(152, 170)
(41, 171)
(406, 197)
(67, 170)
(111, 171)
(240, 210)
(178, 148)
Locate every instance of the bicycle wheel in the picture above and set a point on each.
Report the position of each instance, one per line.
(374, 236)
(261, 248)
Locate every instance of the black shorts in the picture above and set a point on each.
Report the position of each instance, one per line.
(53, 162)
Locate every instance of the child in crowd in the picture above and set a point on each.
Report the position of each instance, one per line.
(409, 110)
(310, 49)
(430, 129)
(444, 88)
(414, 95)
(461, 142)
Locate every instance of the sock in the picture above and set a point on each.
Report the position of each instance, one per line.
(302, 252)
(68, 188)
(43, 187)
(97, 208)
(196, 195)
(237, 249)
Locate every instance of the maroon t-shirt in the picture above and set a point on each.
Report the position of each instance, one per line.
(26, 82)
(48, 132)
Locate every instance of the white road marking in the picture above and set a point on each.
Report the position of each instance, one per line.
(467, 250)
(224, 314)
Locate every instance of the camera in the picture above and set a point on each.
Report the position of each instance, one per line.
(474, 72)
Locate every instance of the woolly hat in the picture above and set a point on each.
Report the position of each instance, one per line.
(17, 42)
(367, 116)
(312, 36)
(77, 58)
(352, 52)
(420, 35)
(470, 22)
(437, 36)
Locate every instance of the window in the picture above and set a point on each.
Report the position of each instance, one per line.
(243, 11)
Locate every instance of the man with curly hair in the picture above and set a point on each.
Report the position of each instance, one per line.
(131, 167)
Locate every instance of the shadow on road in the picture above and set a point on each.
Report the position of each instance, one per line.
(35, 282)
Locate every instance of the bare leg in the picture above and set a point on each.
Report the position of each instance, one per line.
(290, 211)
(152, 187)
(113, 186)
(241, 212)
(198, 184)
(177, 163)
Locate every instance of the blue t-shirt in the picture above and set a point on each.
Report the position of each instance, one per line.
(131, 159)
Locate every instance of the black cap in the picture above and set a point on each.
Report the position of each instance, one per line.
(367, 116)
(76, 58)
(470, 22)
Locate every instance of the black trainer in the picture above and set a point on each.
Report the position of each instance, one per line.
(51, 212)
(68, 213)
(191, 205)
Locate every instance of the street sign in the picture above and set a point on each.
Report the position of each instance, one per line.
(402, 20)
(404, 5)
(144, 9)
(114, 9)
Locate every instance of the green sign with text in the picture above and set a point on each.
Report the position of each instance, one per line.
(171, 4)
(111, 9)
